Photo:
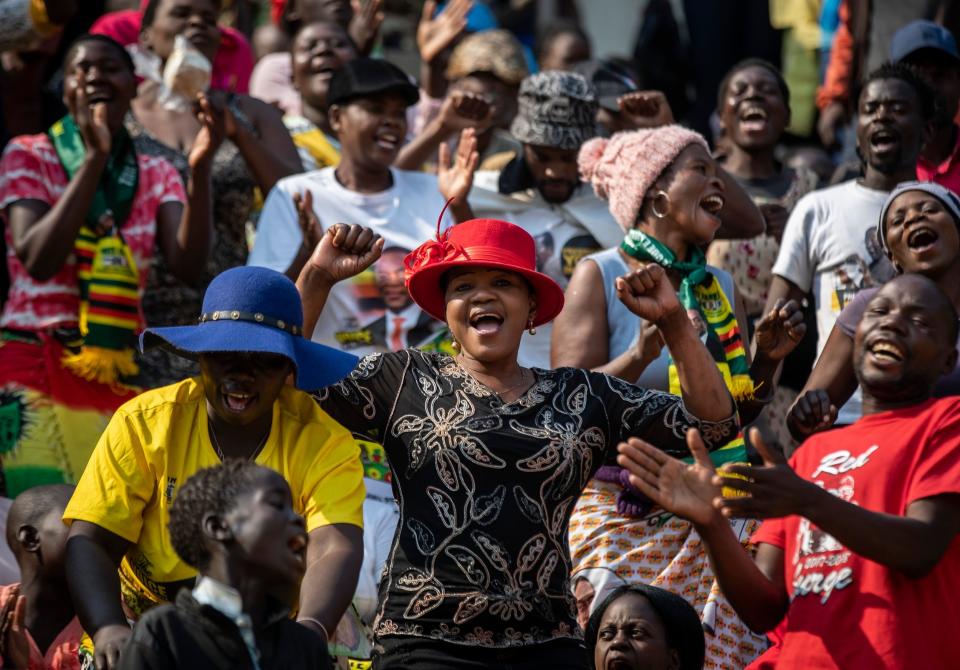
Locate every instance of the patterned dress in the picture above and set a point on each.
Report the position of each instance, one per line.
(486, 489)
(168, 301)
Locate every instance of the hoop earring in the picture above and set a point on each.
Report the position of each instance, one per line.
(530, 328)
(653, 204)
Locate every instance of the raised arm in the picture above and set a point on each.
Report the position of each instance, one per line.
(185, 232)
(435, 35)
(581, 334)
(44, 235)
(269, 153)
(344, 251)
(647, 292)
(460, 110)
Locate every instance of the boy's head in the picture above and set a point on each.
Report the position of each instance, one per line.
(895, 113)
(367, 107)
(239, 515)
(906, 340)
(35, 530)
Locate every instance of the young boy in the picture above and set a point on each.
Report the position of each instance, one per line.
(860, 552)
(248, 342)
(236, 525)
(38, 628)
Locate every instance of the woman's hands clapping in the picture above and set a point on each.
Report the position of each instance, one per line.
(213, 128)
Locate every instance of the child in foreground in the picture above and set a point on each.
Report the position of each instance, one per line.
(859, 556)
(38, 627)
(236, 525)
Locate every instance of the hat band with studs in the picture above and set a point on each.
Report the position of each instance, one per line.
(251, 317)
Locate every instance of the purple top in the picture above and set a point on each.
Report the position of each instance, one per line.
(853, 312)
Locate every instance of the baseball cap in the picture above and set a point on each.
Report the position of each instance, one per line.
(366, 77)
(610, 80)
(922, 34)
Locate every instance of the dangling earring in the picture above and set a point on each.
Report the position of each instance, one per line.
(530, 328)
(653, 205)
(455, 346)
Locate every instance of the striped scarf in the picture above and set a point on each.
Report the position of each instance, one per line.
(107, 275)
(701, 295)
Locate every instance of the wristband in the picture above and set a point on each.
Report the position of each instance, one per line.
(310, 619)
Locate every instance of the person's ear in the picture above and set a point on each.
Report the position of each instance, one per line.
(335, 117)
(951, 362)
(29, 538)
(216, 528)
(674, 663)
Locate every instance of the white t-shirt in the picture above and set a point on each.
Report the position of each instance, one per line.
(830, 246)
(565, 233)
(405, 215)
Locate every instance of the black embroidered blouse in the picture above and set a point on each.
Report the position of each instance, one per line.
(486, 489)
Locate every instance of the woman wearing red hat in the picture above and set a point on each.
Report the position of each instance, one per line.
(489, 457)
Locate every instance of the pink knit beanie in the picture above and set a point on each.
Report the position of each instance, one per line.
(623, 168)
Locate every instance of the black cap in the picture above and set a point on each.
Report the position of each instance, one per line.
(611, 80)
(366, 77)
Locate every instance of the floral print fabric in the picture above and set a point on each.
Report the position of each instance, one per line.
(486, 488)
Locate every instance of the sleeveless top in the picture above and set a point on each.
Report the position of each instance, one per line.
(624, 326)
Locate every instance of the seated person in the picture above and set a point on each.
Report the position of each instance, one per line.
(234, 523)
(248, 344)
(40, 629)
(859, 555)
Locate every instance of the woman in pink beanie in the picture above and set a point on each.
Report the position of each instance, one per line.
(667, 193)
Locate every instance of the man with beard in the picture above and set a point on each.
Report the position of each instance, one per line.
(859, 552)
(829, 244)
(540, 189)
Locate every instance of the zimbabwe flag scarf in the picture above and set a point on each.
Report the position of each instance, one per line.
(106, 272)
(701, 292)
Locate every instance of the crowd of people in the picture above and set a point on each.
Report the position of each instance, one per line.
(310, 360)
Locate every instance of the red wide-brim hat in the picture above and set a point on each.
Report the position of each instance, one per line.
(485, 243)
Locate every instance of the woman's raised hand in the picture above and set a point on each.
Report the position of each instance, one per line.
(346, 250)
(434, 34)
(455, 180)
(780, 330)
(365, 24)
(212, 131)
(91, 120)
(646, 109)
(648, 293)
(687, 490)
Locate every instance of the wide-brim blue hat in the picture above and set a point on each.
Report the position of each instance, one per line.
(253, 309)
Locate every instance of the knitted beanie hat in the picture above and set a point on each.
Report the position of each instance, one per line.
(624, 167)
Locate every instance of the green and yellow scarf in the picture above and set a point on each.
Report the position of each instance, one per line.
(107, 275)
(701, 292)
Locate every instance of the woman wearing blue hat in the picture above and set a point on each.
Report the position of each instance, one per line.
(489, 457)
(248, 341)
(920, 233)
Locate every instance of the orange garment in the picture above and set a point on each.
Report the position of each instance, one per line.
(63, 653)
(838, 77)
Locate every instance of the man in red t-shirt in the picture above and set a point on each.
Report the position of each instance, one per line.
(859, 560)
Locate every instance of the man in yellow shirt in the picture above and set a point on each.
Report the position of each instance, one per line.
(248, 342)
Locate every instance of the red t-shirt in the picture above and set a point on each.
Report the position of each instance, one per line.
(848, 612)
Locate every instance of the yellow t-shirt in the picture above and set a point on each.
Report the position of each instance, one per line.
(157, 440)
